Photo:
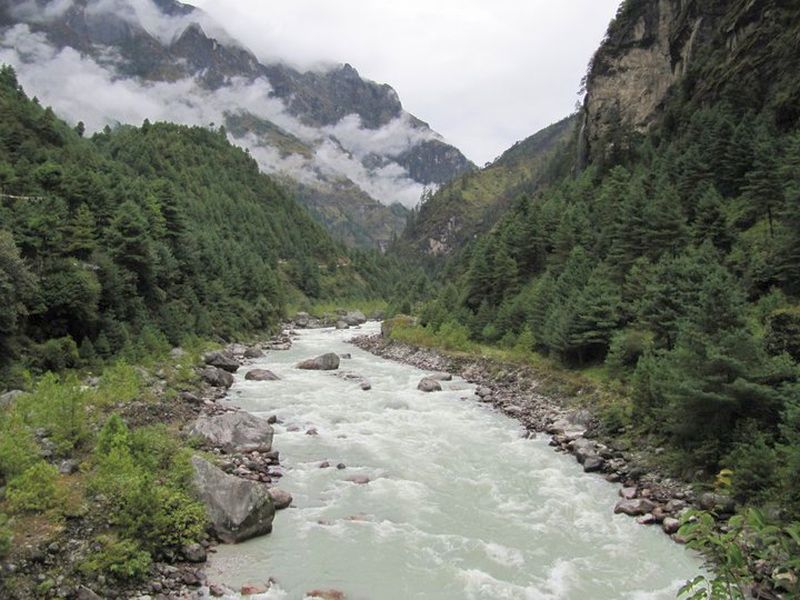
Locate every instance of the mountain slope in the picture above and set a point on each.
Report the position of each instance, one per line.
(475, 201)
(355, 150)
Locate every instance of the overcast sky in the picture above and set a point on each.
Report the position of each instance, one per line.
(484, 74)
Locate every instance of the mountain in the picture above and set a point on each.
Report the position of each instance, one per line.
(472, 203)
(345, 143)
(661, 258)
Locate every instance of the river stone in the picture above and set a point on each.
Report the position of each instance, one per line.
(302, 319)
(429, 385)
(85, 593)
(634, 507)
(326, 362)
(441, 376)
(670, 525)
(216, 377)
(221, 360)
(326, 594)
(253, 352)
(194, 553)
(251, 589)
(365, 385)
(358, 479)
(628, 493)
(717, 502)
(280, 498)
(342, 325)
(238, 509)
(354, 317)
(234, 432)
(592, 464)
(261, 375)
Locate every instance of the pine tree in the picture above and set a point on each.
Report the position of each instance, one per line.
(81, 238)
(596, 315)
(764, 188)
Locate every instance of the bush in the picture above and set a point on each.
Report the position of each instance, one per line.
(18, 449)
(754, 465)
(454, 336)
(123, 560)
(627, 346)
(5, 536)
(783, 332)
(35, 490)
(58, 354)
(59, 406)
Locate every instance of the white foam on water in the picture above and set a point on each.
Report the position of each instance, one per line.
(459, 504)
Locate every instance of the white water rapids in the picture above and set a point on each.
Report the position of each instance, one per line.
(459, 506)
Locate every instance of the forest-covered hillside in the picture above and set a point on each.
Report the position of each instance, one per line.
(671, 262)
(160, 230)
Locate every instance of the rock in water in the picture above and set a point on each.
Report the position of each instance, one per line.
(253, 352)
(237, 508)
(354, 317)
(221, 360)
(326, 362)
(234, 432)
(216, 377)
(261, 375)
(342, 325)
(429, 385)
(280, 498)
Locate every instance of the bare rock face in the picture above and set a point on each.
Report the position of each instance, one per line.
(237, 508)
(326, 362)
(234, 432)
(648, 49)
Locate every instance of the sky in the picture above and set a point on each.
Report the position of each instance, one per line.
(483, 74)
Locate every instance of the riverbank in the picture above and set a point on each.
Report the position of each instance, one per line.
(646, 492)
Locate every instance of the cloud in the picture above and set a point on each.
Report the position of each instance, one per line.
(61, 78)
(484, 74)
(30, 10)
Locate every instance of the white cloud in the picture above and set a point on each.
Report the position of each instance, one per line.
(484, 74)
(29, 10)
(61, 78)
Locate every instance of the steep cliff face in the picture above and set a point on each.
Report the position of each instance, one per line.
(700, 50)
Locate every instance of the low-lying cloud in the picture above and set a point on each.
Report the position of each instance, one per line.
(81, 88)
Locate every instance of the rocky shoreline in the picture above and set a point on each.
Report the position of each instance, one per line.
(647, 494)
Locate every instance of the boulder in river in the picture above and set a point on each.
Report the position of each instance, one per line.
(670, 525)
(221, 360)
(280, 498)
(635, 507)
(326, 594)
(237, 508)
(261, 375)
(253, 352)
(358, 479)
(216, 377)
(234, 432)
(429, 385)
(354, 317)
(441, 376)
(593, 463)
(342, 325)
(326, 362)
(302, 319)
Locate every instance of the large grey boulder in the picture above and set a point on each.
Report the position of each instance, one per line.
(238, 509)
(280, 498)
(427, 384)
(234, 432)
(261, 375)
(302, 319)
(354, 317)
(326, 362)
(216, 377)
(221, 360)
(635, 507)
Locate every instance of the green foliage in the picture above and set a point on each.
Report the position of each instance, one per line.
(35, 490)
(145, 476)
(122, 560)
(58, 405)
(5, 536)
(18, 449)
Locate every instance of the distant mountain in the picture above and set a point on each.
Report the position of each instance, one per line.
(344, 143)
(472, 203)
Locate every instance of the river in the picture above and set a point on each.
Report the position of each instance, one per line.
(459, 506)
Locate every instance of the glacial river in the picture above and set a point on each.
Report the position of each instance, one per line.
(459, 506)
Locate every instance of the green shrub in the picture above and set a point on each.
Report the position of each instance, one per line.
(35, 490)
(123, 560)
(755, 468)
(119, 383)
(18, 449)
(454, 336)
(5, 536)
(783, 332)
(58, 354)
(59, 406)
(627, 346)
